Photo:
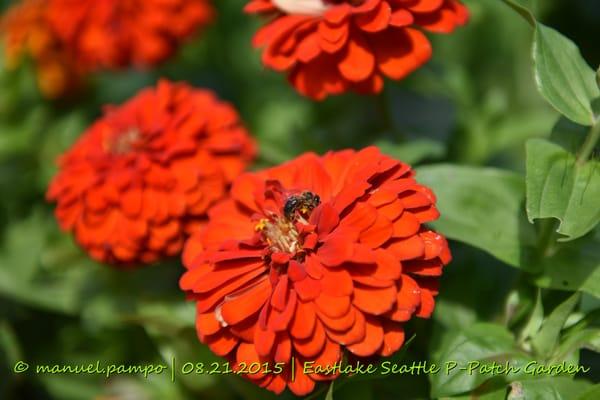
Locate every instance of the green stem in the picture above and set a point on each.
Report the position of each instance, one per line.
(590, 144)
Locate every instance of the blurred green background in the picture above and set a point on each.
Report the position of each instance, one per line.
(474, 104)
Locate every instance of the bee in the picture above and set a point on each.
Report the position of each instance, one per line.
(303, 203)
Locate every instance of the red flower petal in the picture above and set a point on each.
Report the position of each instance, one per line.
(356, 333)
(283, 351)
(221, 343)
(399, 52)
(407, 225)
(240, 306)
(408, 299)
(206, 324)
(393, 338)
(372, 341)
(313, 345)
(333, 307)
(377, 20)
(308, 288)
(336, 249)
(357, 61)
(336, 282)
(343, 323)
(378, 233)
(406, 249)
(302, 384)
(372, 300)
(304, 320)
(427, 304)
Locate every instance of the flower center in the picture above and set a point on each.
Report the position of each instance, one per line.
(280, 232)
(124, 142)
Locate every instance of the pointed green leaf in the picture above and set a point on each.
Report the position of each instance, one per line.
(329, 395)
(535, 320)
(562, 76)
(585, 338)
(477, 342)
(558, 187)
(546, 340)
(481, 207)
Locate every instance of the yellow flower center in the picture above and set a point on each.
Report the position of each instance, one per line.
(123, 143)
(280, 234)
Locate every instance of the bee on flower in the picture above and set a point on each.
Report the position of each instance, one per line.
(316, 258)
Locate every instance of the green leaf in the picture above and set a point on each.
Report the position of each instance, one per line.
(484, 392)
(41, 267)
(523, 11)
(9, 344)
(329, 395)
(413, 151)
(516, 127)
(481, 207)
(546, 340)
(71, 387)
(479, 342)
(585, 338)
(554, 388)
(558, 187)
(573, 266)
(593, 393)
(535, 320)
(562, 76)
(353, 391)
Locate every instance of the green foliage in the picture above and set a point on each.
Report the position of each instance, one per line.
(467, 196)
(562, 76)
(573, 267)
(545, 340)
(559, 187)
(473, 344)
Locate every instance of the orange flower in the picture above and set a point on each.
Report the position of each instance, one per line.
(119, 33)
(145, 173)
(315, 256)
(26, 31)
(332, 46)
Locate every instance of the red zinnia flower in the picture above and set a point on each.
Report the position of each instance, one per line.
(27, 31)
(146, 172)
(315, 256)
(119, 33)
(332, 46)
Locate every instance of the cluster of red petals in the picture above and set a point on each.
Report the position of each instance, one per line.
(67, 39)
(119, 33)
(142, 176)
(26, 30)
(351, 45)
(345, 278)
